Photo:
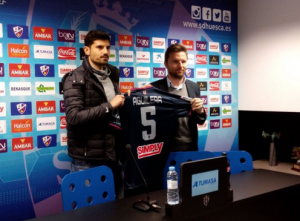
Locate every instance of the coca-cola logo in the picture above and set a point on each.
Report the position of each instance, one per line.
(67, 53)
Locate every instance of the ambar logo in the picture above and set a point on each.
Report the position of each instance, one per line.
(125, 40)
(22, 143)
(226, 123)
(21, 125)
(19, 70)
(18, 51)
(45, 107)
(189, 45)
(43, 33)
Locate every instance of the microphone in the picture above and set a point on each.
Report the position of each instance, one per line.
(144, 205)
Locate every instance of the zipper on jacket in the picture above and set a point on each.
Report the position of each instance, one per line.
(85, 151)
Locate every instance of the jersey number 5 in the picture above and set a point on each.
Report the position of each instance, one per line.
(146, 122)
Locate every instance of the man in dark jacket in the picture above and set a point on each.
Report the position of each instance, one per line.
(176, 83)
(92, 95)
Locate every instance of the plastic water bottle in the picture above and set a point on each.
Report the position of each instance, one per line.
(172, 185)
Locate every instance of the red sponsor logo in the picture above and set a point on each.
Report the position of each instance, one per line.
(64, 139)
(125, 40)
(19, 70)
(67, 53)
(42, 33)
(18, 51)
(63, 122)
(189, 45)
(214, 86)
(125, 86)
(21, 125)
(45, 107)
(226, 123)
(226, 73)
(201, 59)
(23, 143)
(149, 150)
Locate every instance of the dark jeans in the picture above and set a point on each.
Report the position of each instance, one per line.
(116, 168)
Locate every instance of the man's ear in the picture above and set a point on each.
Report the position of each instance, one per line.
(87, 50)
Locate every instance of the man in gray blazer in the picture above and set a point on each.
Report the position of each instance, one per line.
(176, 83)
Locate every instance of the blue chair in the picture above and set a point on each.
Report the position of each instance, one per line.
(240, 161)
(176, 158)
(87, 187)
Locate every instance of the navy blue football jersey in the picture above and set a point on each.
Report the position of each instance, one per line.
(149, 121)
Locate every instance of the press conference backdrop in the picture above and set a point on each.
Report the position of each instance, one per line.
(41, 40)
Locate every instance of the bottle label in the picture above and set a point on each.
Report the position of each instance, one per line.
(172, 184)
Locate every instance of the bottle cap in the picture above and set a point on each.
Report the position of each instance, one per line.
(172, 168)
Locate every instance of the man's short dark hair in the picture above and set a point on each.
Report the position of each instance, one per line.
(174, 48)
(95, 35)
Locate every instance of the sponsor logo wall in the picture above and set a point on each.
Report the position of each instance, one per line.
(40, 45)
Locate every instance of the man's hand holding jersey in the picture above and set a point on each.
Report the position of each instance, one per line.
(197, 105)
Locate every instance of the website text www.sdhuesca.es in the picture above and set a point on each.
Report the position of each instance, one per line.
(206, 26)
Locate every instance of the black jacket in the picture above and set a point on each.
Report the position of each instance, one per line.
(87, 113)
(193, 91)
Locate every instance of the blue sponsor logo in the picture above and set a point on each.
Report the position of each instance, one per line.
(172, 41)
(45, 141)
(226, 47)
(189, 73)
(20, 108)
(226, 99)
(126, 72)
(17, 31)
(44, 70)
